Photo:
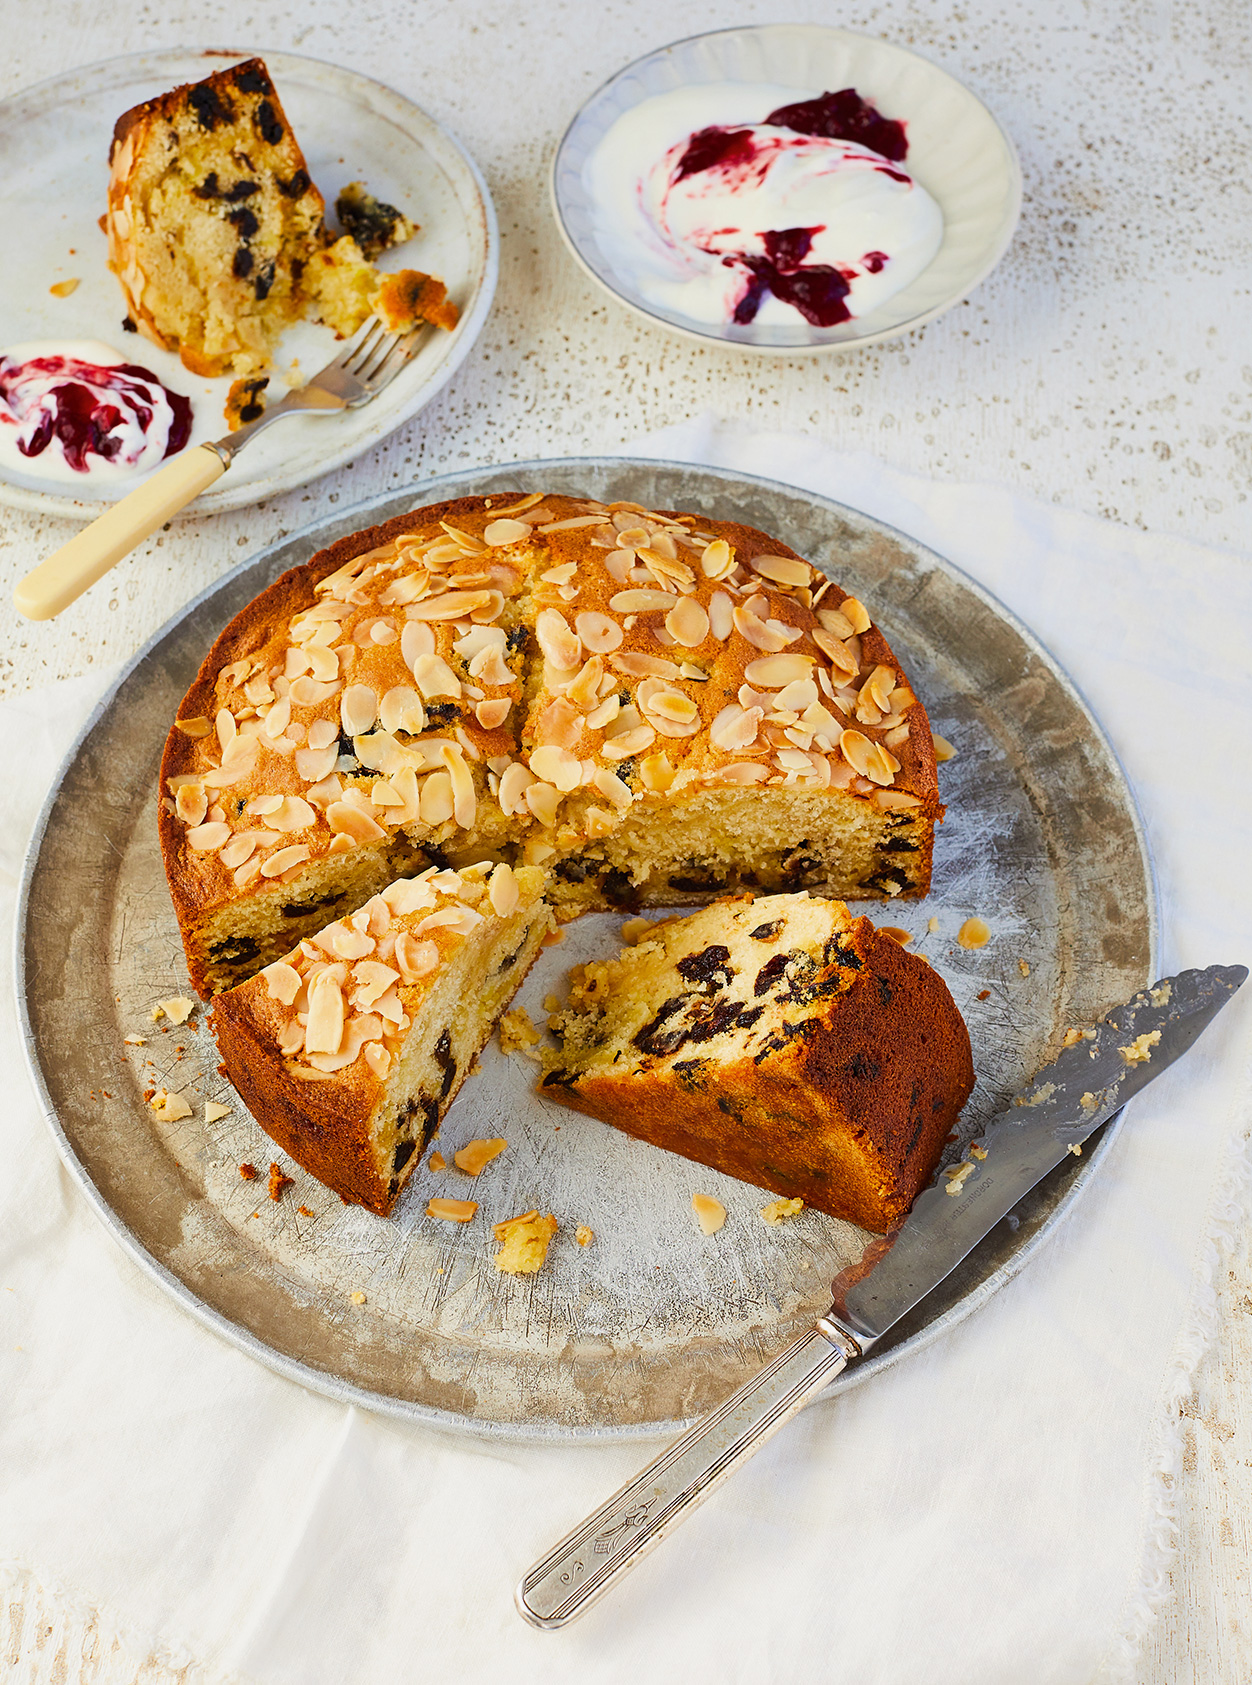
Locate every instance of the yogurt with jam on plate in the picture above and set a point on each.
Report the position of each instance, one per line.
(786, 188)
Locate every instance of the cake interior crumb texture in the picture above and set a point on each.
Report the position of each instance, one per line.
(777, 1039)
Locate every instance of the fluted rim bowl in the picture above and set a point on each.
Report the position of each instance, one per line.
(957, 151)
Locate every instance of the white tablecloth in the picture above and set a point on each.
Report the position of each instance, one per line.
(995, 1509)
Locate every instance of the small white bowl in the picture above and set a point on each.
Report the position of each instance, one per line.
(957, 151)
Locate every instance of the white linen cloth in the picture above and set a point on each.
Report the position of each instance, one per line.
(994, 1509)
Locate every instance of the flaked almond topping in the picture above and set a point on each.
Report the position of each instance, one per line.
(710, 1212)
(503, 891)
(584, 690)
(415, 958)
(783, 570)
(836, 623)
(640, 602)
(199, 727)
(557, 766)
(345, 819)
(505, 531)
(400, 710)
(761, 634)
(417, 639)
(450, 605)
(452, 1210)
(314, 765)
(605, 714)
(169, 1106)
(476, 1155)
(687, 623)
(721, 615)
(324, 1031)
(599, 633)
(717, 560)
(324, 664)
(772, 672)
(903, 937)
(974, 933)
(656, 772)
(527, 502)
(308, 693)
(944, 751)
(637, 666)
(292, 813)
(513, 784)
(191, 804)
(464, 800)
(283, 859)
(560, 646)
(560, 575)
(614, 790)
(895, 801)
(282, 981)
(855, 613)
(205, 838)
(543, 800)
(735, 728)
(434, 677)
(493, 713)
(572, 523)
(631, 742)
(738, 772)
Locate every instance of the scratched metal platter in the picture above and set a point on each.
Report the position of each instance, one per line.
(653, 1322)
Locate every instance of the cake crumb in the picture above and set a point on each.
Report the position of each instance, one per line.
(1160, 995)
(135, 1041)
(634, 930)
(248, 1172)
(710, 1212)
(214, 1109)
(976, 1151)
(305, 1212)
(477, 1154)
(157, 1013)
(245, 401)
(168, 1106)
(974, 933)
(583, 1235)
(1140, 1050)
(957, 1175)
(932, 925)
(983, 994)
(437, 1161)
(554, 938)
(452, 1210)
(63, 289)
(778, 1210)
(278, 1183)
(358, 1298)
(524, 1242)
(552, 1003)
(1023, 968)
(1089, 1102)
(518, 1033)
(1074, 1147)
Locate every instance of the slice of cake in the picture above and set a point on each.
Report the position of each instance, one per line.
(779, 1040)
(212, 219)
(349, 1051)
(656, 707)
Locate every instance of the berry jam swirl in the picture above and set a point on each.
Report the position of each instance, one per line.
(79, 407)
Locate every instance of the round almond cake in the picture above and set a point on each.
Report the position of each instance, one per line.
(649, 708)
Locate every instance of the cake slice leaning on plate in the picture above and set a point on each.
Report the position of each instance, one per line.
(779, 1040)
(350, 1050)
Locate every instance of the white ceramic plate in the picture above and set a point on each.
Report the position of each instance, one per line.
(55, 142)
(957, 151)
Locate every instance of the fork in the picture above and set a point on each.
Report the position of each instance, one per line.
(359, 373)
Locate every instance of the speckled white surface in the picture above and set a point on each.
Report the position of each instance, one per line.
(1106, 365)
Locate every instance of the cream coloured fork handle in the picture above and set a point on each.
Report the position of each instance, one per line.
(66, 574)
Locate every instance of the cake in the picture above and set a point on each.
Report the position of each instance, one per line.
(655, 707)
(351, 1048)
(777, 1039)
(217, 232)
(212, 219)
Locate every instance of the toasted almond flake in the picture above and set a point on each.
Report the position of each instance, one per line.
(583, 1235)
(856, 749)
(464, 800)
(665, 704)
(656, 772)
(772, 672)
(527, 502)
(313, 765)
(400, 710)
(247, 873)
(293, 813)
(784, 570)
(415, 958)
(557, 766)
(492, 714)
(283, 859)
(135, 1041)
(205, 838)
(191, 804)
(628, 743)
(944, 751)
(974, 933)
(687, 623)
(416, 639)
(503, 532)
(169, 1106)
(543, 800)
(836, 623)
(199, 727)
(856, 614)
(503, 891)
(452, 1210)
(449, 605)
(347, 820)
(435, 678)
(735, 728)
(560, 575)
(759, 633)
(604, 715)
(640, 602)
(309, 693)
(178, 1009)
(717, 560)
(903, 937)
(324, 664)
(476, 1155)
(358, 709)
(214, 1111)
(560, 646)
(572, 523)
(710, 1213)
(614, 790)
(738, 772)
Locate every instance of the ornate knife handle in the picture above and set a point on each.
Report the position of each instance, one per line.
(591, 1559)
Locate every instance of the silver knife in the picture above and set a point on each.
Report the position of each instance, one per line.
(1053, 1115)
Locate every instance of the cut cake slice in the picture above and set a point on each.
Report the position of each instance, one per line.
(349, 1051)
(776, 1039)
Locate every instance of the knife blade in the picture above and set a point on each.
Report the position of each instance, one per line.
(1096, 1073)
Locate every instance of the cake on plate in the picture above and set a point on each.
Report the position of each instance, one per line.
(777, 1039)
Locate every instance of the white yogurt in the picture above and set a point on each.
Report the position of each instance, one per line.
(706, 244)
(76, 410)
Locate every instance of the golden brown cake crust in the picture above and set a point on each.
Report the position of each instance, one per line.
(851, 1117)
